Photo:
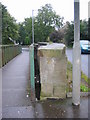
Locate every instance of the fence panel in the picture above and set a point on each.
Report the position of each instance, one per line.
(9, 52)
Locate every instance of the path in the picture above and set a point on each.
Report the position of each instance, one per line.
(16, 104)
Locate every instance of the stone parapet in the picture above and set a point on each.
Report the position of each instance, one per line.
(53, 62)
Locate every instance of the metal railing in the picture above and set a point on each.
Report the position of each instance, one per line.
(9, 52)
(32, 72)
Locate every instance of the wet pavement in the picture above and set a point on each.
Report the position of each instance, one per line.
(64, 109)
(15, 77)
(17, 103)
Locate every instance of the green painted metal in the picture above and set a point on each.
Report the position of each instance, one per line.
(32, 81)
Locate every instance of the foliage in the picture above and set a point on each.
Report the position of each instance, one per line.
(83, 86)
(9, 27)
(28, 30)
(56, 36)
(89, 28)
(84, 77)
(48, 17)
(45, 23)
(27, 41)
(83, 29)
(69, 35)
(25, 32)
(21, 32)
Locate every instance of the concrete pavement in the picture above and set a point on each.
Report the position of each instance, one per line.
(64, 108)
(15, 77)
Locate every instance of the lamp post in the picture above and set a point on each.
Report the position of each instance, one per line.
(89, 20)
(0, 24)
(76, 56)
(32, 27)
(0, 61)
(32, 71)
(88, 36)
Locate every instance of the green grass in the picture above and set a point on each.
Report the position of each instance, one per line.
(83, 88)
(83, 76)
(86, 80)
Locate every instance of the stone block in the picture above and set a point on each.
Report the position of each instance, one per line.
(53, 65)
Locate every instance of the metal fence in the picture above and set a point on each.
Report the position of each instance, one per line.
(9, 52)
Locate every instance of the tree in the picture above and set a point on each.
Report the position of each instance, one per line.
(57, 36)
(46, 22)
(28, 29)
(89, 28)
(83, 29)
(48, 17)
(22, 34)
(25, 32)
(9, 27)
(69, 35)
(42, 32)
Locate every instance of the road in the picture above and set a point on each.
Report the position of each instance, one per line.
(84, 61)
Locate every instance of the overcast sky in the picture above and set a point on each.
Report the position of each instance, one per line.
(21, 9)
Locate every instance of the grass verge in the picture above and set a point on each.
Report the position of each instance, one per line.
(85, 81)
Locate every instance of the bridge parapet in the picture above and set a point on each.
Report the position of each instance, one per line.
(8, 52)
(53, 65)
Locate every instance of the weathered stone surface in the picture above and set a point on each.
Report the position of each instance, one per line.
(53, 70)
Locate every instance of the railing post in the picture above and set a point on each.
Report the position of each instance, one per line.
(32, 81)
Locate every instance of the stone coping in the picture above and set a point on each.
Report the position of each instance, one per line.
(53, 46)
(52, 50)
